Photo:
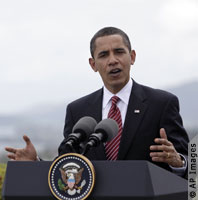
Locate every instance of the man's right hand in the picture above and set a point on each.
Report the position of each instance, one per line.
(26, 154)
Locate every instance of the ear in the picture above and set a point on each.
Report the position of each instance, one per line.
(133, 56)
(92, 64)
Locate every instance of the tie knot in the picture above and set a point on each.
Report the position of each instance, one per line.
(114, 100)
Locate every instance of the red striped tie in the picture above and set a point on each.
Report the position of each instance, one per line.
(112, 147)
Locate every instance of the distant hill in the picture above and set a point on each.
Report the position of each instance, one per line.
(188, 98)
(43, 124)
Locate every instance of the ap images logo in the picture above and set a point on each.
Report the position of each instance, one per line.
(71, 177)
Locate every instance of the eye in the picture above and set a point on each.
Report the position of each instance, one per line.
(120, 51)
(102, 54)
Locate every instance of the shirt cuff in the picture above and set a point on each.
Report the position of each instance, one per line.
(180, 170)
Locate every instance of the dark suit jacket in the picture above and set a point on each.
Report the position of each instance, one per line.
(158, 109)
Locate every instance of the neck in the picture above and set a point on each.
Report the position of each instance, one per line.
(116, 89)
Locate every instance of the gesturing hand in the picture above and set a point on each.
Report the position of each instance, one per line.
(26, 154)
(168, 153)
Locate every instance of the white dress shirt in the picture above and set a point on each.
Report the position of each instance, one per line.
(123, 94)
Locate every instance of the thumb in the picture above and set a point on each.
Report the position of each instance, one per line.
(163, 133)
(27, 140)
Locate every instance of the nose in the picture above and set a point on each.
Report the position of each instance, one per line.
(112, 60)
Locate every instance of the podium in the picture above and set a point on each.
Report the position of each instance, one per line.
(119, 180)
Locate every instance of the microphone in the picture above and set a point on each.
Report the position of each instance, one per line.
(81, 131)
(104, 131)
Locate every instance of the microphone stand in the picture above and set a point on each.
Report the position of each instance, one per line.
(70, 146)
(94, 140)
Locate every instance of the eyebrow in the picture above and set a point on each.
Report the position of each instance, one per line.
(119, 49)
(107, 51)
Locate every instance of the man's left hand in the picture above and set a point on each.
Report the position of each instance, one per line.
(167, 152)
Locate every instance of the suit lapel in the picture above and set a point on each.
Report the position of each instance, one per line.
(94, 108)
(135, 111)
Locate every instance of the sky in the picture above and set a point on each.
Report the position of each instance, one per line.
(44, 46)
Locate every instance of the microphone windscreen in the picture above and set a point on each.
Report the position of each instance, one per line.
(85, 126)
(108, 127)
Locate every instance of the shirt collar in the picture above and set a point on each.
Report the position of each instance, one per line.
(123, 94)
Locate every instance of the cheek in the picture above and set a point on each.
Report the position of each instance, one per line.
(126, 73)
(102, 74)
(101, 70)
(101, 65)
(128, 67)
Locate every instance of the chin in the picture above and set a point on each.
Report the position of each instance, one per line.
(117, 86)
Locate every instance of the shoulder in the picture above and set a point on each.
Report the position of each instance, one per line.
(87, 99)
(153, 94)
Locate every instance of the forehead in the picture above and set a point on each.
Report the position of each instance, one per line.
(109, 42)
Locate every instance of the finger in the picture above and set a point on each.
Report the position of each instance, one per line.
(163, 133)
(11, 150)
(162, 141)
(11, 156)
(27, 140)
(159, 159)
(160, 154)
(160, 148)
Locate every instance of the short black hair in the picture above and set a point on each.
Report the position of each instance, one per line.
(109, 31)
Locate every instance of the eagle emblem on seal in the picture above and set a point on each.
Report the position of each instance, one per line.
(71, 175)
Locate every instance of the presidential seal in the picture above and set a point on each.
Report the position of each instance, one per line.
(71, 177)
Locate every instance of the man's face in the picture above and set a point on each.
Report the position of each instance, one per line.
(113, 61)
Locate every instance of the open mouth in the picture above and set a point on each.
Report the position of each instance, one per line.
(115, 71)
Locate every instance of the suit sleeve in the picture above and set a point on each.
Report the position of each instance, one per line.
(172, 122)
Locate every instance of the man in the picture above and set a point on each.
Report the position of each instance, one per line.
(150, 126)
